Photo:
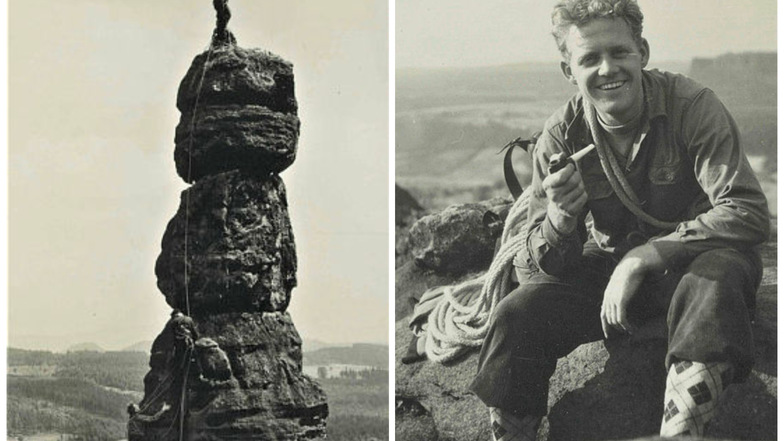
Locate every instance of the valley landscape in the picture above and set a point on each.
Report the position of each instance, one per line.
(82, 394)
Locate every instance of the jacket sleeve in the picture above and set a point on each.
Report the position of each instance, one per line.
(739, 216)
(548, 250)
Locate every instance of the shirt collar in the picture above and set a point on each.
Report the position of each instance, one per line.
(577, 129)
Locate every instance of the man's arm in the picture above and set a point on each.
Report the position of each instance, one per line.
(739, 216)
(556, 211)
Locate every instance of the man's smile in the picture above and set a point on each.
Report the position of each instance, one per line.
(611, 86)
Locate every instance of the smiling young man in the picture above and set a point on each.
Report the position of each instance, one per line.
(676, 213)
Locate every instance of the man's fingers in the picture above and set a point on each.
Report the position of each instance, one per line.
(605, 325)
(614, 317)
(562, 177)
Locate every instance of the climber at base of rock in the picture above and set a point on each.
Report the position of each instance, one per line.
(170, 355)
(677, 212)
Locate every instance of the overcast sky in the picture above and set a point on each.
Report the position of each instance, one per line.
(456, 33)
(92, 88)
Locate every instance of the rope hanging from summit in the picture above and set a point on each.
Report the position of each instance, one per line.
(221, 36)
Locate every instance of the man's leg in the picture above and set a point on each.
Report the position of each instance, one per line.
(710, 341)
(542, 320)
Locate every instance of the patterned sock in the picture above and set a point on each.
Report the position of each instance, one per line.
(692, 393)
(508, 427)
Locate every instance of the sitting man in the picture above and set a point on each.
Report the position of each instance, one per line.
(676, 214)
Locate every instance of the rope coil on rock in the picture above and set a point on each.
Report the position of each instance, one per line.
(461, 319)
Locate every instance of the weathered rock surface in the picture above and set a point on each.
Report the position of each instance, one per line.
(241, 254)
(234, 137)
(601, 391)
(231, 369)
(238, 112)
(265, 397)
(236, 75)
(458, 239)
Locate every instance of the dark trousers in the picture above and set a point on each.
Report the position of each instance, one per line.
(707, 305)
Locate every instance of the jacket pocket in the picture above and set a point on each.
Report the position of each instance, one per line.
(664, 174)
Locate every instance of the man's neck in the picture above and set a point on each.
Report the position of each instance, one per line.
(621, 129)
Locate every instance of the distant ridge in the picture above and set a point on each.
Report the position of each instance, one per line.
(141, 346)
(85, 347)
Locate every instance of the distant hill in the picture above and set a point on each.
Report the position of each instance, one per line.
(360, 353)
(82, 347)
(314, 345)
(142, 346)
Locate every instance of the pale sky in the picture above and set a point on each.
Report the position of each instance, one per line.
(457, 33)
(92, 183)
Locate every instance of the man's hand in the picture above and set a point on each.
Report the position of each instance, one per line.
(567, 197)
(623, 285)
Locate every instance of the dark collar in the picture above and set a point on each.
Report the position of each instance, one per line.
(577, 130)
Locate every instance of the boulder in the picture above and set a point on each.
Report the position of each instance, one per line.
(460, 238)
(240, 247)
(238, 112)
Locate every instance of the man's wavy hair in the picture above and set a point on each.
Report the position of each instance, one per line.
(579, 12)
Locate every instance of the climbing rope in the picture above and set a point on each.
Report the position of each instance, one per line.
(461, 319)
(615, 175)
(220, 37)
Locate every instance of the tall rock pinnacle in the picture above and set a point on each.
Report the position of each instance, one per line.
(228, 364)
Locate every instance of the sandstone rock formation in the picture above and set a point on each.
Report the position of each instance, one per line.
(601, 391)
(245, 118)
(232, 367)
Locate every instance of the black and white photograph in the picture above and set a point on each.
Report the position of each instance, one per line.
(585, 220)
(198, 216)
(410, 220)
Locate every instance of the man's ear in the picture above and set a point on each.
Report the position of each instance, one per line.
(645, 52)
(567, 72)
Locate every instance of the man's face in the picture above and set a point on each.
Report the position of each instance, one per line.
(606, 64)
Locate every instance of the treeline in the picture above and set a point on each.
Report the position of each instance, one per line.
(370, 376)
(71, 392)
(122, 370)
(118, 369)
(357, 428)
(358, 409)
(26, 416)
(24, 357)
